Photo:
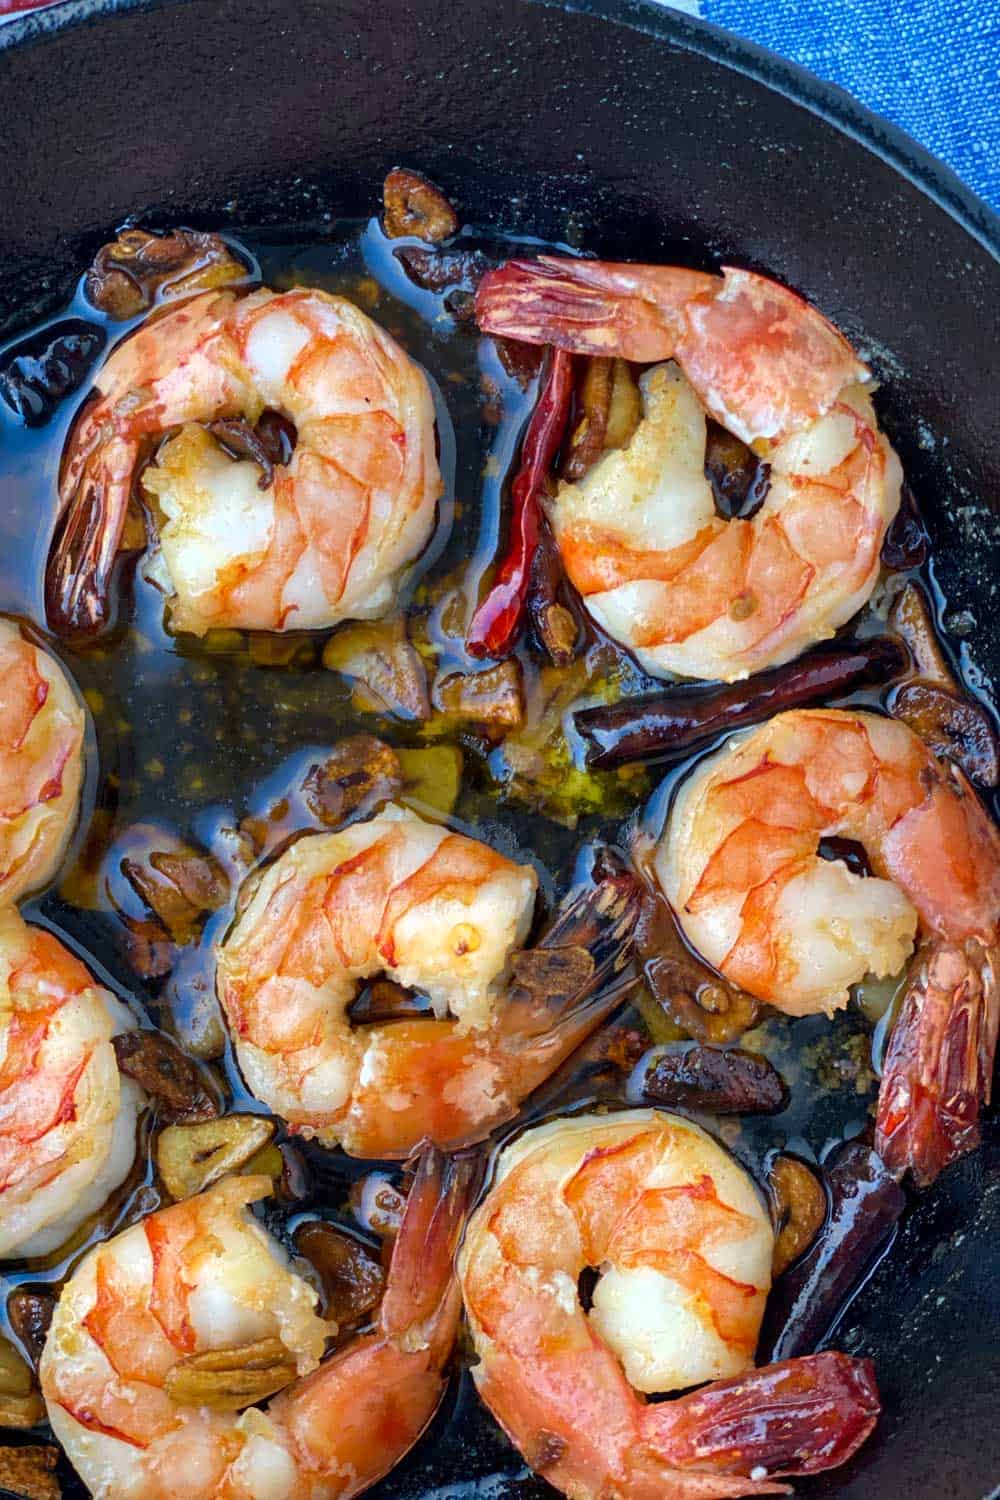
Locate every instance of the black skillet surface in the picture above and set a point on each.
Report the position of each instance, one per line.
(643, 134)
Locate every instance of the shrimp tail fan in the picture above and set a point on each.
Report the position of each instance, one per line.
(801, 1416)
(582, 965)
(421, 1271)
(939, 1065)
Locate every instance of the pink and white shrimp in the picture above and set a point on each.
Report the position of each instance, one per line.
(691, 593)
(201, 1290)
(41, 763)
(67, 1116)
(434, 910)
(302, 545)
(739, 863)
(682, 1243)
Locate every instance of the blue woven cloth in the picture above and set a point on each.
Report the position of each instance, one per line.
(932, 66)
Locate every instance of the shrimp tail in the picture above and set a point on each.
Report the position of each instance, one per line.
(366, 1406)
(421, 1287)
(801, 1416)
(590, 307)
(83, 550)
(580, 968)
(939, 1064)
(763, 360)
(602, 916)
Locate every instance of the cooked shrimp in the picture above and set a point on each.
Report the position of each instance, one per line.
(682, 1243)
(67, 1117)
(434, 910)
(687, 591)
(146, 1411)
(41, 763)
(739, 863)
(322, 539)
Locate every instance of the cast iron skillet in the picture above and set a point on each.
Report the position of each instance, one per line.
(651, 136)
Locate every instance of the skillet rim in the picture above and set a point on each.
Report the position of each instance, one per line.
(837, 108)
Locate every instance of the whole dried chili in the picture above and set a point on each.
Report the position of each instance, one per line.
(677, 720)
(808, 1300)
(500, 617)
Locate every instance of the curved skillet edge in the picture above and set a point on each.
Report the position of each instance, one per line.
(889, 142)
(827, 100)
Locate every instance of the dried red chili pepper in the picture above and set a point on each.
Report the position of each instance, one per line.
(809, 1299)
(500, 617)
(667, 723)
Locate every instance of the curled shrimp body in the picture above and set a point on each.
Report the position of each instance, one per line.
(67, 1117)
(691, 593)
(682, 1243)
(434, 910)
(126, 1372)
(739, 862)
(41, 763)
(317, 540)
